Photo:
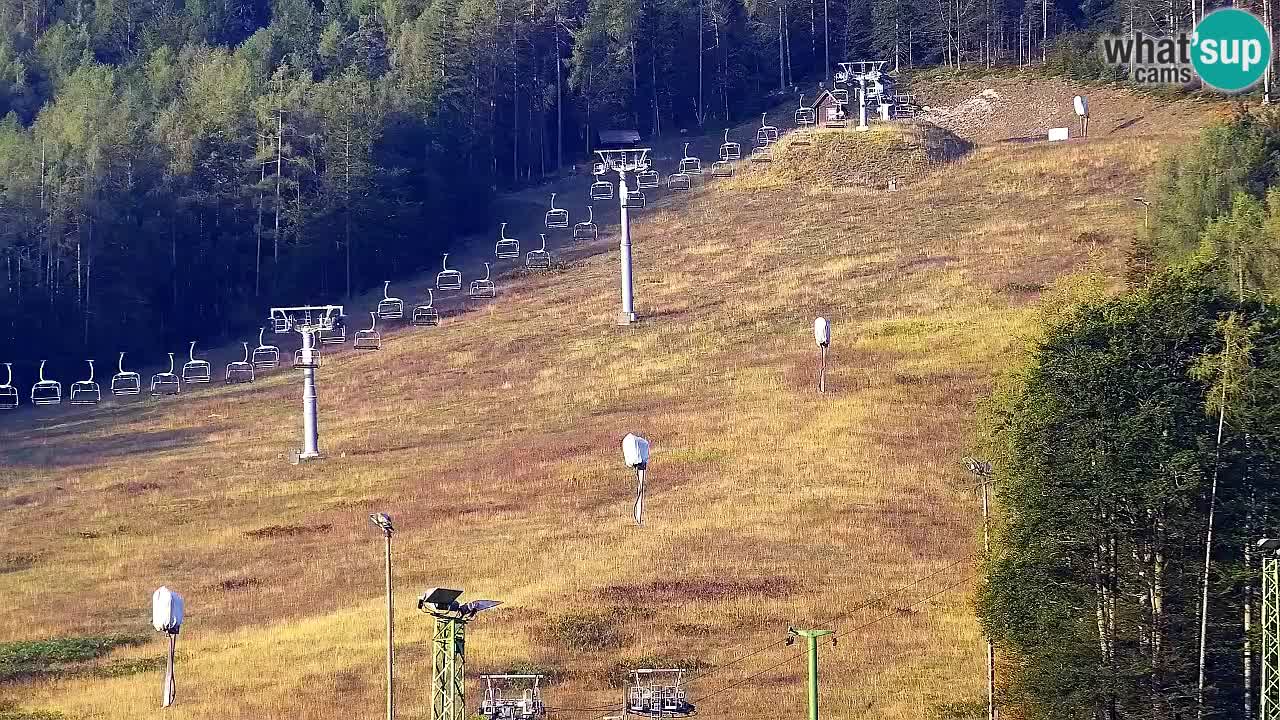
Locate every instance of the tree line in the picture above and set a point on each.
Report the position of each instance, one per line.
(1137, 455)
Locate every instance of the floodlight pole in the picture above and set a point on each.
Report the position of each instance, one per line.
(982, 471)
(391, 702)
(1269, 700)
(811, 637)
(822, 369)
(448, 646)
(310, 426)
(628, 315)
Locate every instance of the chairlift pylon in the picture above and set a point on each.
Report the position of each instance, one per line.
(658, 693)
(509, 248)
(448, 279)
(426, 315)
(125, 382)
(483, 288)
(689, 164)
(85, 392)
(9, 398)
(556, 217)
(390, 308)
(540, 259)
(46, 392)
(585, 230)
(265, 357)
(369, 339)
(241, 371)
(166, 383)
(195, 371)
(730, 150)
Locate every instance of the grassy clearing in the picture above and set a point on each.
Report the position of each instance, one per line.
(494, 441)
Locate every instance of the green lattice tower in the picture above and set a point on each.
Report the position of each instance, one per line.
(448, 644)
(1269, 705)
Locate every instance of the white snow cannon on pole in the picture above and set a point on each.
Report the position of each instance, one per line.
(166, 617)
(635, 451)
(822, 335)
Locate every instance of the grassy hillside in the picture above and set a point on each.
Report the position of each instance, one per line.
(494, 442)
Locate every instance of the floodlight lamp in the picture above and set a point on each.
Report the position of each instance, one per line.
(469, 610)
(1082, 106)
(383, 521)
(439, 599)
(981, 468)
(1269, 544)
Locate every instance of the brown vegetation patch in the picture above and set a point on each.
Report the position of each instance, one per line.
(274, 531)
(666, 592)
(242, 583)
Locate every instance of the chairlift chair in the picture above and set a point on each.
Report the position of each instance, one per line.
(635, 200)
(721, 169)
(240, 371)
(125, 382)
(280, 324)
(426, 315)
(767, 134)
(509, 248)
(390, 308)
(840, 95)
(265, 357)
(46, 392)
(369, 339)
(678, 181)
(166, 383)
(556, 217)
(8, 393)
(85, 392)
(804, 114)
(336, 335)
(195, 371)
(540, 259)
(730, 150)
(762, 153)
(689, 164)
(513, 704)
(448, 279)
(601, 189)
(300, 361)
(584, 230)
(648, 178)
(658, 693)
(483, 288)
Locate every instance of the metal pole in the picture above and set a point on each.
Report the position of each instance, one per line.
(170, 684)
(813, 677)
(1269, 703)
(628, 314)
(391, 703)
(822, 370)
(991, 648)
(826, 39)
(310, 431)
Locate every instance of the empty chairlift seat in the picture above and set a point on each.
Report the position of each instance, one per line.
(46, 392)
(9, 398)
(556, 217)
(601, 189)
(509, 248)
(336, 335)
(195, 371)
(448, 279)
(804, 114)
(722, 169)
(635, 200)
(85, 392)
(648, 178)
(583, 230)
(540, 259)
(426, 315)
(241, 371)
(678, 181)
(369, 339)
(730, 150)
(265, 357)
(690, 165)
(484, 287)
(390, 308)
(767, 134)
(166, 383)
(125, 382)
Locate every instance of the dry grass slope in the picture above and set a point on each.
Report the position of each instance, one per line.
(493, 440)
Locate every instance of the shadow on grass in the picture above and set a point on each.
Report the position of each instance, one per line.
(44, 449)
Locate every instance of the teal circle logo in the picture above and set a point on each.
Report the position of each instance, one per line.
(1230, 50)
